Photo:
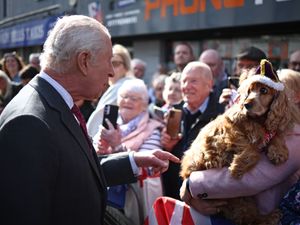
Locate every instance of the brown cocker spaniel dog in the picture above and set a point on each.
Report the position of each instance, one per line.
(254, 125)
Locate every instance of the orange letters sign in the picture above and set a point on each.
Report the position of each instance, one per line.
(180, 8)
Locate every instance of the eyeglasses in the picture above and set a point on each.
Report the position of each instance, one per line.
(131, 98)
(117, 63)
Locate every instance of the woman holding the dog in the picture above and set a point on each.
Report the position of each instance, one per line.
(204, 190)
(290, 205)
(266, 182)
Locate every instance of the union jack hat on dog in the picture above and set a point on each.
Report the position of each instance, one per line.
(267, 75)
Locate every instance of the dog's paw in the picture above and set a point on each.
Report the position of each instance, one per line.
(208, 165)
(235, 173)
(277, 156)
(212, 164)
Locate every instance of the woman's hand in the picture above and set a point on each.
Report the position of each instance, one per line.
(111, 135)
(208, 206)
(103, 148)
(109, 138)
(203, 206)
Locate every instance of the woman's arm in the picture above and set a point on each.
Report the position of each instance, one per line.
(218, 183)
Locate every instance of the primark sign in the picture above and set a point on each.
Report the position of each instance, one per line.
(136, 17)
(26, 34)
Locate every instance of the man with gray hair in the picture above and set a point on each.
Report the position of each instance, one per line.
(213, 59)
(50, 173)
(34, 60)
(139, 67)
(200, 107)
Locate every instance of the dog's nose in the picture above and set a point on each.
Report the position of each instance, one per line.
(248, 106)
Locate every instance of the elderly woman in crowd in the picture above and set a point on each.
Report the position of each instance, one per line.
(121, 62)
(138, 133)
(12, 65)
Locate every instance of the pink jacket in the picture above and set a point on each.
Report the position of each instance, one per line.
(268, 183)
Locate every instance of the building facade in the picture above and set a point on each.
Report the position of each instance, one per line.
(24, 24)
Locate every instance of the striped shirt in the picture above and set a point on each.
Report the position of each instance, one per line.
(152, 142)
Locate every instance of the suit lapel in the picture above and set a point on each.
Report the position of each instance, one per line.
(57, 103)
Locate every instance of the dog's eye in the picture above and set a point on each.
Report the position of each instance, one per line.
(263, 90)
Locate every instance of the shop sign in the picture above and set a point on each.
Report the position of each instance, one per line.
(139, 17)
(26, 34)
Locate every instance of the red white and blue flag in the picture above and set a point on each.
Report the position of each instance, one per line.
(169, 211)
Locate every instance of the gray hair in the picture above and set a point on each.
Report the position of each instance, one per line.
(71, 35)
(136, 86)
(33, 56)
(137, 61)
(204, 69)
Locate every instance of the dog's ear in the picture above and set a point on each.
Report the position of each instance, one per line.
(279, 115)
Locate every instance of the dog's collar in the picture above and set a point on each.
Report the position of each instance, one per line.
(267, 138)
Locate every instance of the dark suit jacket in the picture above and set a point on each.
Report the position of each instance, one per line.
(171, 180)
(47, 174)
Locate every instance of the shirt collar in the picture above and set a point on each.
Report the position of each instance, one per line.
(201, 108)
(60, 89)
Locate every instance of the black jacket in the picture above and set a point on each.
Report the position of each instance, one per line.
(48, 175)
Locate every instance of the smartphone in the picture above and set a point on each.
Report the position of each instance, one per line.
(110, 113)
(159, 113)
(233, 81)
(174, 122)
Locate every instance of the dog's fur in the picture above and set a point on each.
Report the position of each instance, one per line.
(235, 139)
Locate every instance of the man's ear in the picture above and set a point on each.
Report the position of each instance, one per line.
(83, 59)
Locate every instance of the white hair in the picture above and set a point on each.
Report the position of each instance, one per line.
(33, 56)
(136, 86)
(199, 66)
(71, 35)
(137, 61)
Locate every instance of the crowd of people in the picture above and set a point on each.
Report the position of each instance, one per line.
(14, 74)
(56, 169)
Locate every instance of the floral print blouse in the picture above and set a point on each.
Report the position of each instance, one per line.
(290, 206)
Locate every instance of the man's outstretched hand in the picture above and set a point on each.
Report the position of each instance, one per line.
(157, 159)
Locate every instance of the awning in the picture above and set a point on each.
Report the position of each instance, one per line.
(26, 34)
